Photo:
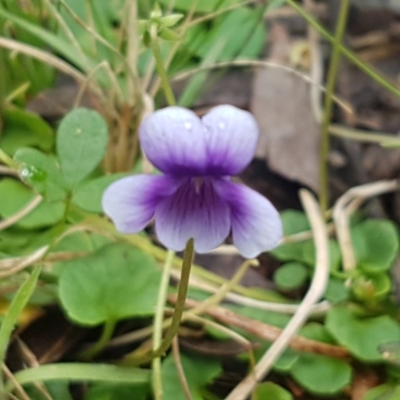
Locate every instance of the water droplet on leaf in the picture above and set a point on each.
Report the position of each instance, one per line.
(33, 174)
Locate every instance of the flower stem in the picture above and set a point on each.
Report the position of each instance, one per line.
(108, 330)
(180, 303)
(158, 325)
(330, 87)
(169, 94)
(375, 75)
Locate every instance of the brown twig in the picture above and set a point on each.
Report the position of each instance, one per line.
(266, 331)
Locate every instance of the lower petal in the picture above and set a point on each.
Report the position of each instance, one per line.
(256, 224)
(131, 202)
(194, 211)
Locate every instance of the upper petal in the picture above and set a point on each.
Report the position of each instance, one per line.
(194, 211)
(256, 224)
(232, 136)
(173, 139)
(131, 202)
(178, 142)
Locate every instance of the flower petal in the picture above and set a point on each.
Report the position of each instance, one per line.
(232, 136)
(194, 211)
(131, 202)
(256, 224)
(173, 140)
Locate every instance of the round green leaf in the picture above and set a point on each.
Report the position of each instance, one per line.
(41, 172)
(88, 194)
(361, 335)
(336, 291)
(291, 276)
(118, 281)
(270, 390)
(199, 372)
(81, 144)
(15, 196)
(375, 244)
(320, 374)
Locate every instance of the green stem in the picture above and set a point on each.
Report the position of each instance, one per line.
(108, 330)
(169, 94)
(18, 303)
(180, 303)
(179, 307)
(158, 325)
(330, 87)
(346, 52)
(7, 160)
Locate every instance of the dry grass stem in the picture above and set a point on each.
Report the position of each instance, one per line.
(179, 368)
(346, 205)
(264, 64)
(316, 290)
(266, 331)
(6, 223)
(18, 388)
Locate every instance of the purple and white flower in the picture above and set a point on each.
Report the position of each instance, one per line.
(195, 198)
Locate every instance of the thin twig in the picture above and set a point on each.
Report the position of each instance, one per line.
(316, 290)
(179, 368)
(18, 387)
(264, 64)
(265, 331)
(21, 213)
(346, 205)
(8, 171)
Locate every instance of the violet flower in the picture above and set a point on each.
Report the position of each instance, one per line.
(195, 198)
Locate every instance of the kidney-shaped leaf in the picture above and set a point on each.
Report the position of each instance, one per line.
(362, 335)
(270, 390)
(320, 374)
(118, 281)
(375, 244)
(199, 371)
(81, 144)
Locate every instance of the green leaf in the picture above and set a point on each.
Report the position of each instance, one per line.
(320, 374)
(24, 129)
(270, 390)
(361, 335)
(386, 391)
(118, 281)
(316, 331)
(111, 391)
(88, 194)
(303, 252)
(15, 309)
(81, 144)
(15, 196)
(336, 291)
(49, 38)
(375, 244)
(291, 276)
(203, 6)
(41, 172)
(170, 20)
(78, 372)
(247, 44)
(57, 389)
(199, 372)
